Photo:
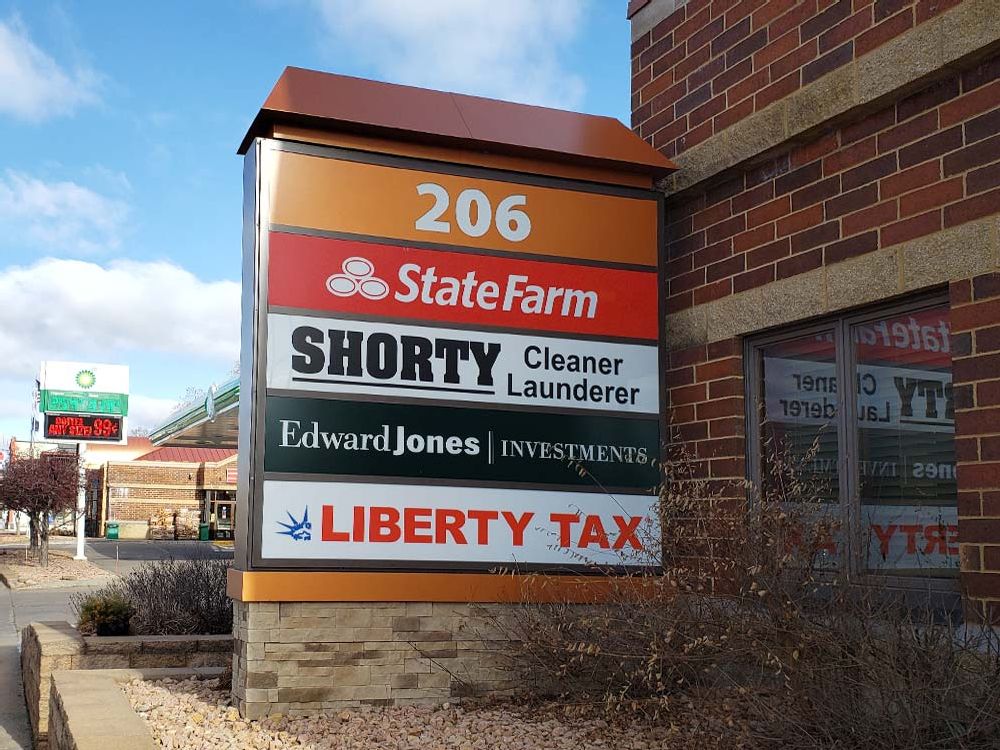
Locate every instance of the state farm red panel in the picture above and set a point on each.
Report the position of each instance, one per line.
(362, 278)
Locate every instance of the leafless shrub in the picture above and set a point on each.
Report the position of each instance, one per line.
(172, 597)
(752, 636)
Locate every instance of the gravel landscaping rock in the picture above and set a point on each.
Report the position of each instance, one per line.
(194, 715)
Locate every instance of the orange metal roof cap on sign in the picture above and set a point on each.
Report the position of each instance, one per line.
(310, 97)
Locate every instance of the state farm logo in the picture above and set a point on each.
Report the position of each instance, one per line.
(358, 277)
(426, 286)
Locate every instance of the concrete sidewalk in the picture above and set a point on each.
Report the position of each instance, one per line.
(18, 609)
(14, 729)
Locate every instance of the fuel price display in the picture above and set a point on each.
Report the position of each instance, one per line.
(86, 427)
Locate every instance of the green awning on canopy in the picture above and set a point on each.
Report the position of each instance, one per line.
(213, 423)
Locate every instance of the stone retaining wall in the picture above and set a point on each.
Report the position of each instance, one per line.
(306, 657)
(90, 711)
(50, 646)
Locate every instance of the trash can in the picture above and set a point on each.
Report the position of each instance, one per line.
(111, 530)
(203, 532)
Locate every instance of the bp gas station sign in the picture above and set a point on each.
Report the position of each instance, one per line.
(84, 402)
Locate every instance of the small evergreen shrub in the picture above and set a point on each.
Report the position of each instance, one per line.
(103, 613)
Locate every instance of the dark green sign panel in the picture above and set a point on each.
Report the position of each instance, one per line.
(80, 402)
(364, 438)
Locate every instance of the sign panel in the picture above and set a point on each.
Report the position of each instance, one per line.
(348, 523)
(324, 436)
(83, 387)
(88, 403)
(84, 401)
(488, 213)
(367, 278)
(458, 367)
(84, 427)
(333, 355)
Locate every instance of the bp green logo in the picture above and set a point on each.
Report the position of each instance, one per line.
(85, 379)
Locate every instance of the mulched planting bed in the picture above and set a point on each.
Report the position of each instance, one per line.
(195, 714)
(19, 572)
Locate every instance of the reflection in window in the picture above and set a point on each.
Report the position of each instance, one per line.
(799, 429)
(906, 442)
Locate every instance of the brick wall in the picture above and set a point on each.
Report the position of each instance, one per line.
(706, 411)
(183, 474)
(137, 490)
(929, 162)
(975, 320)
(852, 201)
(712, 63)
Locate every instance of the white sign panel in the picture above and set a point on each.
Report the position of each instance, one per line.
(334, 355)
(84, 376)
(355, 521)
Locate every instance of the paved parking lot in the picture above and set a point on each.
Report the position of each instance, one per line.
(121, 556)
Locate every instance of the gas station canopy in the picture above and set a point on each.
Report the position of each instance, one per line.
(210, 424)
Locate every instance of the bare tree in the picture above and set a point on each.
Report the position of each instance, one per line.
(40, 487)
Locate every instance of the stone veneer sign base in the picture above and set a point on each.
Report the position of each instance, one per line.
(304, 657)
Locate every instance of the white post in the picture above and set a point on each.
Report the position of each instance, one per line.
(81, 505)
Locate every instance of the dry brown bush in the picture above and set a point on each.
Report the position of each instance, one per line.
(751, 636)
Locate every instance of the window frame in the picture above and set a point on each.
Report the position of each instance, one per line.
(845, 354)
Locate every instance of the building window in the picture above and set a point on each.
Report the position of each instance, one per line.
(883, 460)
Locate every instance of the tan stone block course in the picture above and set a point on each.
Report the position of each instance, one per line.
(416, 666)
(98, 661)
(959, 252)
(158, 644)
(956, 253)
(863, 279)
(107, 645)
(388, 645)
(434, 680)
(423, 636)
(452, 621)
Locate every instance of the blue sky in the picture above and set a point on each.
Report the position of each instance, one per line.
(119, 182)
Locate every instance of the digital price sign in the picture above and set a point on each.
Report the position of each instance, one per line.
(88, 427)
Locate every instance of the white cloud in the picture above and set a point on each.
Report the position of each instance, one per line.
(507, 49)
(33, 86)
(148, 412)
(72, 309)
(62, 216)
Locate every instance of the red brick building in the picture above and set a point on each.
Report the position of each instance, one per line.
(836, 219)
(165, 492)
